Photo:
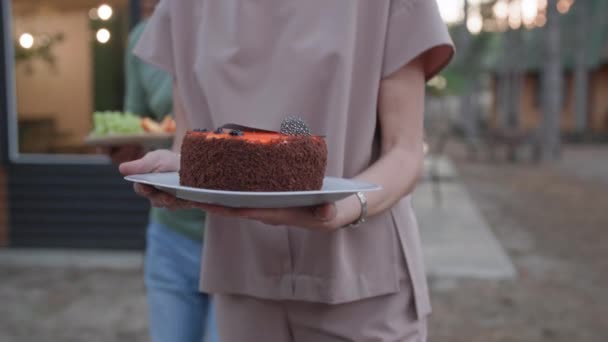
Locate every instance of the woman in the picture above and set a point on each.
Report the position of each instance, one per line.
(355, 70)
(174, 238)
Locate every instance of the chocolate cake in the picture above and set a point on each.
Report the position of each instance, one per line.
(253, 160)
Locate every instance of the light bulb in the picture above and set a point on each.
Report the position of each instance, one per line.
(104, 12)
(103, 35)
(26, 40)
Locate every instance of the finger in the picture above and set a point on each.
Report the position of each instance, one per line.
(182, 204)
(302, 217)
(144, 165)
(318, 218)
(160, 200)
(309, 216)
(326, 212)
(144, 190)
(155, 161)
(164, 200)
(167, 161)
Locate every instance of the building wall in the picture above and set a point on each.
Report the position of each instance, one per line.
(599, 97)
(568, 120)
(64, 93)
(74, 206)
(530, 115)
(531, 100)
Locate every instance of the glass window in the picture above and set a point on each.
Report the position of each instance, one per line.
(68, 63)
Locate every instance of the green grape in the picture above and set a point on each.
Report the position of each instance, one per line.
(113, 122)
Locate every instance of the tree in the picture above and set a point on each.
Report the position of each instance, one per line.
(552, 82)
(468, 106)
(581, 72)
(510, 79)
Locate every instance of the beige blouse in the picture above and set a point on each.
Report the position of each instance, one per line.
(254, 62)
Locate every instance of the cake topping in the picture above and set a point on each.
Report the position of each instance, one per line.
(294, 126)
(201, 130)
(219, 130)
(236, 133)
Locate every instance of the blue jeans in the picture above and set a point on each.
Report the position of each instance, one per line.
(177, 311)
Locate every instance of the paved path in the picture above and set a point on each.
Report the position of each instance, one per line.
(588, 162)
(79, 259)
(457, 240)
(71, 304)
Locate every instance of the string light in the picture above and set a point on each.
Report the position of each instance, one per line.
(26, 40)
(563, 6)
(475, 22)
(508, 14)
(103, 36)
(515, 14)
(104, 12)
(501, 10)
(439, 82)
(93, 14)
(529, 11)
(541, 20)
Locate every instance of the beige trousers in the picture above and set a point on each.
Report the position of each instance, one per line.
(388, 318)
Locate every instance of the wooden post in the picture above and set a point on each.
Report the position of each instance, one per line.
(504, 80)
(581, 72)
(553, 80)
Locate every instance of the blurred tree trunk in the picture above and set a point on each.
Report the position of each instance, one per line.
(552, 86)
(510, 78)
(504, 82)
(465, 37)
(467, 99)
(515, 78)
(581, 71)
(515, 68)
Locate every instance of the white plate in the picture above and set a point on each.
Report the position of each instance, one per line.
(333, 190)
(152, 140)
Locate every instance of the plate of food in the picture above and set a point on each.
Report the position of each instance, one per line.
(123, 128)
(239, 166)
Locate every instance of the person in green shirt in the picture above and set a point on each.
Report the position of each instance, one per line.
(149, 93)
(176, 308)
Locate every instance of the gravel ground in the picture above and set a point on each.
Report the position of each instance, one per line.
(57, 305)
(552, 220)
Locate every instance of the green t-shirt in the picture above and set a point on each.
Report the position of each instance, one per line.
(149, 93)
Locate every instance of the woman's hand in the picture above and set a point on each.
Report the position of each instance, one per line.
(156, 161)
(326, 217)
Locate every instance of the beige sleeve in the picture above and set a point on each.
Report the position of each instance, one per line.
(156, 43)
(415, 28)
